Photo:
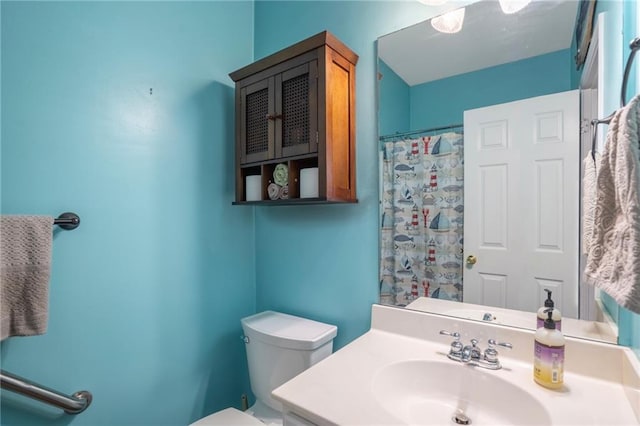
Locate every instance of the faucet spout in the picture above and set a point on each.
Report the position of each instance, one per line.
(470, 352)
(465, 356)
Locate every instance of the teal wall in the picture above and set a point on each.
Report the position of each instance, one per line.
(146, 295)
(322, 261)
(393, 102)
(443, 102)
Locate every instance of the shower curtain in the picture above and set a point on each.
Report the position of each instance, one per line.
(422, 219)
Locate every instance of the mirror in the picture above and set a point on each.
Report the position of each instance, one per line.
(427, 80)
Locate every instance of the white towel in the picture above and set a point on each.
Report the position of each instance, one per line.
(589, 195)
(25, 268)
(613, 260)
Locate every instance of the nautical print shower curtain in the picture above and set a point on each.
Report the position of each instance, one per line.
(422, 219)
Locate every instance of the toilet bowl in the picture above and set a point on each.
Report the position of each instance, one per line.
(229, 417)
(279, 347)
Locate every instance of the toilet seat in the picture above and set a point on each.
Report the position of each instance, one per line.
(228, 417)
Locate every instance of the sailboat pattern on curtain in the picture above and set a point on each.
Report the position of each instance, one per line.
(422, 219)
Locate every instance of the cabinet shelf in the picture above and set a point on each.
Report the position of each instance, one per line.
(291, 202)
(297, 108)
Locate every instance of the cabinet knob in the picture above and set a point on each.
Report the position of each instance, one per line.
(273, 116)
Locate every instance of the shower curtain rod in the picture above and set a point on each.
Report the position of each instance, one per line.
(417, 132)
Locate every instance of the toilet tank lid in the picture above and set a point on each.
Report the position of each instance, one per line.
(288, 331)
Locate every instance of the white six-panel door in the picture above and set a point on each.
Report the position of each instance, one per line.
(521, 215)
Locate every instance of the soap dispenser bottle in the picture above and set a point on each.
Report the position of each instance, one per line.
(542, 316)
(548, 357)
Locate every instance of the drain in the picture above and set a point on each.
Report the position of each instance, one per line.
(460, 419)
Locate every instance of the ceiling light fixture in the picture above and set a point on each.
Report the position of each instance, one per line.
(433, 2)
(513, 6)
(450, 22)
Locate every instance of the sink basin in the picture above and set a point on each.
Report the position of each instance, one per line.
(423, 392)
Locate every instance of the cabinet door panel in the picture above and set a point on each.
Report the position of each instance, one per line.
(340, 127)
(256, 133)
(296, 94)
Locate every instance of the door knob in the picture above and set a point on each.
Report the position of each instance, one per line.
(471, 260)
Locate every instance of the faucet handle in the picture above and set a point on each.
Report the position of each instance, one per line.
(456, 345)
(491, 354)
(492, 344)
(455, 334)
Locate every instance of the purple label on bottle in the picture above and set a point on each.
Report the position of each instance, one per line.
(548, 363)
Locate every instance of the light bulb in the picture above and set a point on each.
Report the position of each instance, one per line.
(433, 2)
(450, 22)
(513, 6)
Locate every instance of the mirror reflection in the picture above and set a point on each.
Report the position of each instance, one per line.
(480, 167)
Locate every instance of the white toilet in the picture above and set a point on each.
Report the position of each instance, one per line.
(279, 347)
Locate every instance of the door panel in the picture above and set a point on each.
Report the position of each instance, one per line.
(256, 135)
(521, 203)
(295, 91)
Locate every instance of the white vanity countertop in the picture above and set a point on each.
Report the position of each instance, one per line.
(339, 390)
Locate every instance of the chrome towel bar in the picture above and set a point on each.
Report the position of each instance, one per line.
(634, 45)
(74, 404)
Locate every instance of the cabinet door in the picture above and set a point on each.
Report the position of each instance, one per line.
(296, 96)
(257, 109)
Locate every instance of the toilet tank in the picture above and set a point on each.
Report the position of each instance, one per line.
(281, 346)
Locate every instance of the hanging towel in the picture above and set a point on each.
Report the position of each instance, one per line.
(613, 258)
(589, 194)
(25, 268)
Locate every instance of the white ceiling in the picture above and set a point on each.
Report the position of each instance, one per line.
(489, 37)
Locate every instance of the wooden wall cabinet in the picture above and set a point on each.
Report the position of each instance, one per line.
(297, 107)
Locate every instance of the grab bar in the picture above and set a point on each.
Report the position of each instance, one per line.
(74, 404)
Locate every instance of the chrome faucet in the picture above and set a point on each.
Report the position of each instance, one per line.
(472, 354)
(487, 317)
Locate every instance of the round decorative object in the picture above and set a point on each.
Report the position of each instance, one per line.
(281, 174)
(284, 193)
(274, 191)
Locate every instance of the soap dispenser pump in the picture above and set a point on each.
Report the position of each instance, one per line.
(548, 304)
(548, 357)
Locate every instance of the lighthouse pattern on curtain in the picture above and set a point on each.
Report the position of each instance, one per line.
(422, 219)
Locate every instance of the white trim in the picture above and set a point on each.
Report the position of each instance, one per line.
(591, 107)
(589, 78)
